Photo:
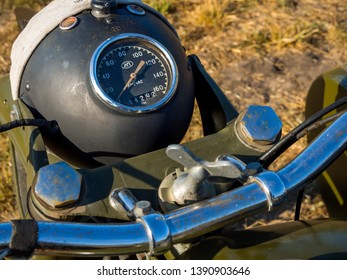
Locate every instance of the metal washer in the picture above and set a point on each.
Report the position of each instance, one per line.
(135, 9)
(68, 23)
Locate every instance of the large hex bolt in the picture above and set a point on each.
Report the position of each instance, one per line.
(58, 185)
(259, 127)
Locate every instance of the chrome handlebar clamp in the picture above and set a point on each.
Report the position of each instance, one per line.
(157, 230)
(273, 187)
(158, 233)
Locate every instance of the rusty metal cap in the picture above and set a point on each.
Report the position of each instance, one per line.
(58, 185)
(259, 126)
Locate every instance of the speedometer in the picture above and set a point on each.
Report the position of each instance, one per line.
(133, 73)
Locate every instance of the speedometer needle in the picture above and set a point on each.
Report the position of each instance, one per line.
(132, 76)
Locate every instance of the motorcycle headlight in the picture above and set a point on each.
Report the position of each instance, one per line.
(117, 82)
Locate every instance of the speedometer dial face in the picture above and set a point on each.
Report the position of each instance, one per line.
(133, 73)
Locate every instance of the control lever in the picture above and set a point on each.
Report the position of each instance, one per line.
(200, 179)
(231, 168)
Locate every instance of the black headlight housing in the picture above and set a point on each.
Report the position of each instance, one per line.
(57, 85)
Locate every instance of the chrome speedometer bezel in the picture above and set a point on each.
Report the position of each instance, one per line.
(173, 81)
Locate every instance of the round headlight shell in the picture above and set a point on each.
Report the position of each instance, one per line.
(133, 73)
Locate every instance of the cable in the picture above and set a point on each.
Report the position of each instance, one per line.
(300, 131)
(41, 123)
(275, 151)
(319, 124)
(301, 134)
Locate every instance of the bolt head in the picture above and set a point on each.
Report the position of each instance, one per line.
(253, 168)
(104, 6)
(142, 208)
(259, 125)
(58, 185)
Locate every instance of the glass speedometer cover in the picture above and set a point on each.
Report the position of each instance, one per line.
(133, 73)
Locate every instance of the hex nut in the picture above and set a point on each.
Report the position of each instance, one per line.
(58, 185)
(259, 126)
(253, 168)
(142, 208)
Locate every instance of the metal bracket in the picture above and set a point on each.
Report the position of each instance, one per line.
(273, 187)
(158, 233)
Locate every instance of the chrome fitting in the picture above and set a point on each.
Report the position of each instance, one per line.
(158, 233)
(157, 230)
(198, 180)
(192, 186)
(123, 201)
(259, 127)
(273, 187)
(253, 168)
(142, 208)
(103, 8)
(58, 185)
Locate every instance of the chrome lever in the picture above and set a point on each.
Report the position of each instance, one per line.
(200, 178)
(230, 167)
